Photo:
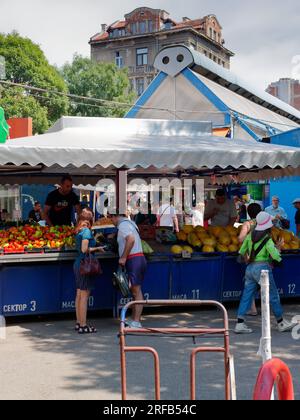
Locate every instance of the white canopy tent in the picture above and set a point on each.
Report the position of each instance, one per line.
(89, 148)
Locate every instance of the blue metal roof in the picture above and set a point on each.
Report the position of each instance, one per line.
(230, 80)
(289, 138)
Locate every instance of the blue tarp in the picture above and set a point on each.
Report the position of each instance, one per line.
(287, 189)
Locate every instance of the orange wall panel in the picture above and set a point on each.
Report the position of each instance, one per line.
(20, 127)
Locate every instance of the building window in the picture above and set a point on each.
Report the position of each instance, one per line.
(121, 32)
(134, 28)
(140, 86)
(132, 85)
(168, 25)
(223, 63)
(149, 80)
(143, 27)
(119, 60)
(150, 26)
(142, 56)
(205, 53)
(215, 35)
(210, 32)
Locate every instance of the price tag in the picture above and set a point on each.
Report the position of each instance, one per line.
(186, 255)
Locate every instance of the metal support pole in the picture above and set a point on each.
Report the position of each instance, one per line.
(265, 350)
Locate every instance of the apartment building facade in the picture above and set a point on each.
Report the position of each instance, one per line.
(135, 41)
(288, 90)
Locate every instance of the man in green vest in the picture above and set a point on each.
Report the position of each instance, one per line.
(4, 127)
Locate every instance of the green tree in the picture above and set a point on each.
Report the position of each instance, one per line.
(85, 77)
(19, 104)
(26, 63)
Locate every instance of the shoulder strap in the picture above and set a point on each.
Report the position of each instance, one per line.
(132, 224)
(165, 211)
(261, 246)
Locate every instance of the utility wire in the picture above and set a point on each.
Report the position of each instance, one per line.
(113, 104)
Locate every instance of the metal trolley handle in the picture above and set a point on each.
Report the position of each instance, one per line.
(225, 350)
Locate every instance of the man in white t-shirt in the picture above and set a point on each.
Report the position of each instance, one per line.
(167, 217)
(133, 259)
(221, 211)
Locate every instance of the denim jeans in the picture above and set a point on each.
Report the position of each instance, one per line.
(252, 279)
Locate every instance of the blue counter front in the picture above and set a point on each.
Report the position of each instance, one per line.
(34, 285)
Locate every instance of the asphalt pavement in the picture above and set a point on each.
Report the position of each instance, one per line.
(45, 359)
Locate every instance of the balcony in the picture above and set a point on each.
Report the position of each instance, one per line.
(141, 70)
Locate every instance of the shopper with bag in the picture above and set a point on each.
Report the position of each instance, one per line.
(132, 259)
(248, 227)
(87, 270)
(260, 251)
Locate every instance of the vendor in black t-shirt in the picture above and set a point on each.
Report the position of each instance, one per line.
(60, 203)
(297, 217)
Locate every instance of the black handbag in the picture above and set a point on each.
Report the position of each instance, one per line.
(286, 224)
(121, 282)
(90, 266)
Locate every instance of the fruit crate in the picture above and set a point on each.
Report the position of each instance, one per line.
(52, 250)
(10, 252)
(147, 232)
(34, 250)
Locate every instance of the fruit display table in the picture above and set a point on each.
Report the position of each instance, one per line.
(44, 283)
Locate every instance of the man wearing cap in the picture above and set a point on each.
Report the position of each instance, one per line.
(297, 216)
(260, 251)
(279, 214)
(221, 211)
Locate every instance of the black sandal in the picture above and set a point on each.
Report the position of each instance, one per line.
(87, 330)
(77, 327)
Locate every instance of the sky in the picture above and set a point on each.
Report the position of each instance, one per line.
(264, 34)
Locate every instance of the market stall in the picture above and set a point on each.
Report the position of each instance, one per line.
(94, 148)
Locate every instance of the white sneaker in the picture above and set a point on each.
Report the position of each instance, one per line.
(134, 324)
(242, 329)
(285, 326)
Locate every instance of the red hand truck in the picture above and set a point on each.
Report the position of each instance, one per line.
(222, 332)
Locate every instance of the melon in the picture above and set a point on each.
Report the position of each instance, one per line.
(224, 240)
(188, 249)
(210, 242)
(202, 236)
(176, 249)
(235, 240)
(232, 231)
(197, 244)
(222, 248)
(287, 236)
(192, 237)
(294, 245)
(199, 229)
(208, 249)
(188, 229)
(182, 236)
(217, 231)
(233, 248)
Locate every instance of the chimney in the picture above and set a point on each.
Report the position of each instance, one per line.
(185, 19)
(103, 27)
